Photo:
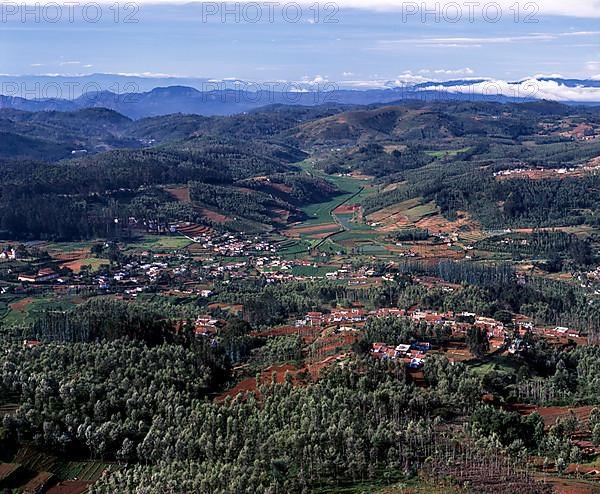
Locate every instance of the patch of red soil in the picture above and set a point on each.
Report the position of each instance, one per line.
(76, 265)
(280, 215)
(458, 352)
(37, 483)
(325, 229)
(69, 487)
(572, 486)
(346, 209)
(550, 414)
(71, 255)
(21, 305)
(182, 194)
(233, 308)
(193, 230)
(286, 189)
(315, 368)
(214, 216)
(438, 224)
(274, 372)
(287, 331)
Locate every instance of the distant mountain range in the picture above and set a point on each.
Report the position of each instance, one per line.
(139, 97)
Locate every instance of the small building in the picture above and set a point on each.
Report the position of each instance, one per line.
(45, 274)
(421, 346)
(402, 350)
(8, 254)
(31, 343)
(416, 363)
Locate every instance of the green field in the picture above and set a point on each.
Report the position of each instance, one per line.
(357, 236)
(319, 271)
(446, 152)
(35, 307)
(82, 470)
(94, 263)
(421, 211)
(347, 223)
(321, 213)
(159, 243)
(413, 209)
(330, 247)
(66, 246)
(372, 248)
(36, 460)
(499, 364)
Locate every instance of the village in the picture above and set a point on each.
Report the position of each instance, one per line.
(218, 259)
(114, 268)
(346, 325)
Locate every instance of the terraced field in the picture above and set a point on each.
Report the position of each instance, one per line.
(42, 466)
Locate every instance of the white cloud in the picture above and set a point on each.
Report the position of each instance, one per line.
(528, 88)
(581, 33)
(318, 79)
(407, 77)
(464, 41)
(467, 71)
(74, 62)
(546, 76)
(366, 84)
(148, 74)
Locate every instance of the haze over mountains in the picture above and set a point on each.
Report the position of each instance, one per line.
(138, 96)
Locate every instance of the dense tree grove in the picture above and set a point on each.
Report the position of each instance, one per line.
(487, 289)
(267, 303)
(411, 234)
(542, 243)
(566, 376)
(98, 386)
(81, 198)
(349, 426)
(372, 159)
(395, 331)
(255, 206)
(297, 189)
(127, 401)
(104, 319)
(101, 397)
(280, 349)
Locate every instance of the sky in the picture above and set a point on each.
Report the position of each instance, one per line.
(356, 43)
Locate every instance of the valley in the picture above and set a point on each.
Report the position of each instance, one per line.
(392, 298)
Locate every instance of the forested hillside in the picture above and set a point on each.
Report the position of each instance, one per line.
(332, 299)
